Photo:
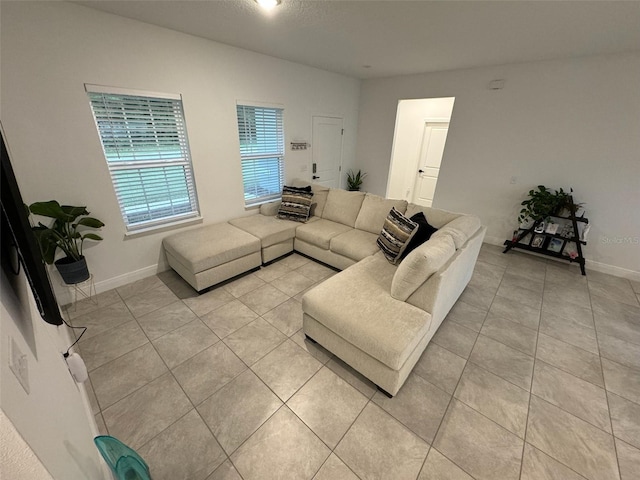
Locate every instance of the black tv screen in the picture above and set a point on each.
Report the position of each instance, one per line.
(19, 249)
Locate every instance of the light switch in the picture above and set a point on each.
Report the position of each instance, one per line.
(18, 364)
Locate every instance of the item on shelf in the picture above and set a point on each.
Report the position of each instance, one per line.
(584, 231)
(552, 228)
(538, 241)
(566, 231)
(555, 245)
(526, 239)
(570, 250)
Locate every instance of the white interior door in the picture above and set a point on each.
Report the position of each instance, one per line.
(326, 148)
(433, 142)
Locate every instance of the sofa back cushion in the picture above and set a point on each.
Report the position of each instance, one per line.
(342, 206)
(318, 202)
(374, 210)
(460, 229)
(420, 264)
(436, 217)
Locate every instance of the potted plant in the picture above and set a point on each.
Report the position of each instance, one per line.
(544, 202)
(64, 233)
(354, 180)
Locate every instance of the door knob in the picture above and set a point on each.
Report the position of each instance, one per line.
(420, 171)
(315, 176)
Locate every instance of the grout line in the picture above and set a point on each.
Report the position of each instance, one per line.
(533, 373)
(435, 435)
(606, 393)
(371, 399)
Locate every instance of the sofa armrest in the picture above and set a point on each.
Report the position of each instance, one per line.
(420, 264)
(460, 229)
(270, 209)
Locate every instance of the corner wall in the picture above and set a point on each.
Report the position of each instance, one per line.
(51, 49)
(54, 416)
(571, 123)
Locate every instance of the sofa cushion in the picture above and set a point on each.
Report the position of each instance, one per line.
(206, 247)
(460, 229)
(296, 203)
(386, 329)
(342, 206)
(396, 235)
(374, 211)
(425, 230)
(270, 230)
(320, 232)
(355, 244)
(436, 217)
(420, 264)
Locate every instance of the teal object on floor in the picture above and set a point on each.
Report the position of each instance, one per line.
(124, 461)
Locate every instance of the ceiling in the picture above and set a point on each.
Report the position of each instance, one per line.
(368, 39)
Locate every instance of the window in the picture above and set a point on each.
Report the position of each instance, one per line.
(144, 138)
(261, 152)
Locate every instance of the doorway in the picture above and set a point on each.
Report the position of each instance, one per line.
(418, 148)
(326, 150)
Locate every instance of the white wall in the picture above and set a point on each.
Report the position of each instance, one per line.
(571, 123)
(17, 460)
(407, 140)
(50, 49)
(54, 416)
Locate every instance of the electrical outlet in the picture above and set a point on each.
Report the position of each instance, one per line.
(18, 364)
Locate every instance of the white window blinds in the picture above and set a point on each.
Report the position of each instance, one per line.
(144, 139)
(261, 136)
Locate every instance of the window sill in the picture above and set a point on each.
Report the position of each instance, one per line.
(161, 228)
(255, 206)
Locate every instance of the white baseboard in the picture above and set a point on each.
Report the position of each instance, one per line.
(589, 264)
(64, 294)
(126, 278)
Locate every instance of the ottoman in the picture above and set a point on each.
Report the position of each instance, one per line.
(276, 235)
(212, 254)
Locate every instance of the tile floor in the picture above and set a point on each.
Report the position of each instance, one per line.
(535, 374)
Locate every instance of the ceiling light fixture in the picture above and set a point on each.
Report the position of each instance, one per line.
(268, 4)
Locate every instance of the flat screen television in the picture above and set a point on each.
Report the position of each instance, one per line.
(19, 249)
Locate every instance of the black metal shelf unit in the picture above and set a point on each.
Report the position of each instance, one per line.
(523, 242)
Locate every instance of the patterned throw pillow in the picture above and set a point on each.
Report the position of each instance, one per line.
(396, 234)
(296, 203)
(424, 232)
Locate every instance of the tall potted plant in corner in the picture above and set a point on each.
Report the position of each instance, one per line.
(65, 233)
(354, 180)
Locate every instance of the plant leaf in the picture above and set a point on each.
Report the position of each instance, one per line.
(51, 209)
(74, 212)
(91, 236)
(90, 222)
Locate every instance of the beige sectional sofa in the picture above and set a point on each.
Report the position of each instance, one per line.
(375, 316)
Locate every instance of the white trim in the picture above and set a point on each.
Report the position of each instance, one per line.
(589, 264)
(253, 103)
(192, 220)
(126, 278)
(64, 293)
(89, 88)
